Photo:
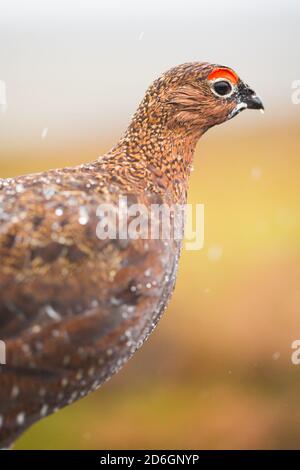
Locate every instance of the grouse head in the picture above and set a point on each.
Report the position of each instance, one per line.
(195, 96)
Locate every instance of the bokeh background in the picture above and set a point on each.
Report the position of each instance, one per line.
(217, 372)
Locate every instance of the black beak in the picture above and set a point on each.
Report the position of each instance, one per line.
(247, 99)
(254, 102)
(250, 98)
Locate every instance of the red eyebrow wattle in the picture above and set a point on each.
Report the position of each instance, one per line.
(223, 73)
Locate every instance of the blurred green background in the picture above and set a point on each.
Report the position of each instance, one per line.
(217, 372)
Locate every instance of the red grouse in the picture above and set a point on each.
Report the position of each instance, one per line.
(75, 306)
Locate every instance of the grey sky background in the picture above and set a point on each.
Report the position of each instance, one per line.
(80, 68)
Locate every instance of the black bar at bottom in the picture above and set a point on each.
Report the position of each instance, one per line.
(134, 459)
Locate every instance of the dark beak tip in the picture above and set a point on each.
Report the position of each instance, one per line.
(254, 102)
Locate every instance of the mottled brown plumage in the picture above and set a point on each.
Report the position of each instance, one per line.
(74, 308)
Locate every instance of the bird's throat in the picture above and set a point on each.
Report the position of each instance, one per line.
(160, 157)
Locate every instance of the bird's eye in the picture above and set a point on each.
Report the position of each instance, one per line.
(222, 88)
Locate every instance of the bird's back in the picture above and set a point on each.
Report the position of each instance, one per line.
(74, 305)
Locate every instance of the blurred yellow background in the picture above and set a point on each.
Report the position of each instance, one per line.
(217, 372)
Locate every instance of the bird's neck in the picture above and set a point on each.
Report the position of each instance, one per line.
(156, 157)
